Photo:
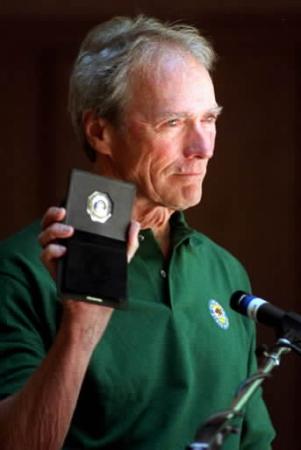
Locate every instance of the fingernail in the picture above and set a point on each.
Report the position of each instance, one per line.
(66, 228)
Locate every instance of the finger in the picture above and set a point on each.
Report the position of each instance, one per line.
(53, 232)
(50, 255)
(133, 242)
(53, 214)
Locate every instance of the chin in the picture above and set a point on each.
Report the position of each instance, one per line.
(188, 205)
(186, 202)
(192, 198)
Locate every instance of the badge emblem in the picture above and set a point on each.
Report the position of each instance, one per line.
(99, 207)
(218, 314)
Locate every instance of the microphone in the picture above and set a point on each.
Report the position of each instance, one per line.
(264, 312)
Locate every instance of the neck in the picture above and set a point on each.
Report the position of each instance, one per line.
(154, 217)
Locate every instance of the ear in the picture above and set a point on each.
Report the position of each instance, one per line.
(97, 131)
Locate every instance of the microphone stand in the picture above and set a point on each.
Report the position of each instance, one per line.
(212, 434)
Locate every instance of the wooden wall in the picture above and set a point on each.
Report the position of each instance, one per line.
(252, 192)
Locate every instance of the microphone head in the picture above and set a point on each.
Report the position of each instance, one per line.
(256, 308)
(247, 304)
(236, 301)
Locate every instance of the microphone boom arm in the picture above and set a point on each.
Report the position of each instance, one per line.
(211, 435)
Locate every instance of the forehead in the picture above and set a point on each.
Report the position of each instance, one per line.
(171, 80)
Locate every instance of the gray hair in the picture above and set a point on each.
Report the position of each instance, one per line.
(110, 51)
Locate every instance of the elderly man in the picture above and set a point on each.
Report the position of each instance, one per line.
(77, 375)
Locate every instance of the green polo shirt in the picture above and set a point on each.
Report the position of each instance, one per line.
(173, 357)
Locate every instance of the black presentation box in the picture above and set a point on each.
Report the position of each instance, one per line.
(94, 267)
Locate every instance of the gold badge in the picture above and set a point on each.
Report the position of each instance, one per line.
(99, 207)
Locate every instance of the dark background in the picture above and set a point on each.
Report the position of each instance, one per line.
(252, 193)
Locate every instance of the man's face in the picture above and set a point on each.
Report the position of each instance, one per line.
(169, 132)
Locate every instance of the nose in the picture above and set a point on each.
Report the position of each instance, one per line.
(200, 141)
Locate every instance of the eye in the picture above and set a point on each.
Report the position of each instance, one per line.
(212, 118)
(172, 123)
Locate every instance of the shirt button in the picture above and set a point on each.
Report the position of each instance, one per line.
(141, 237)
(163, 273)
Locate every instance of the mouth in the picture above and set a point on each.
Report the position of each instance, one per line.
(191, 171)
(190, 174)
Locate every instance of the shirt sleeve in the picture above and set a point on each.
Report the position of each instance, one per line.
(21, 345)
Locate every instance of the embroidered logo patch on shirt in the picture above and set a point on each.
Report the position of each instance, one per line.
(218, 314)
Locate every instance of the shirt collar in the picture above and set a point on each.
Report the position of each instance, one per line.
(180, 230)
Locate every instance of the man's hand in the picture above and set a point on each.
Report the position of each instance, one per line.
(86, 321)
(52, 230)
